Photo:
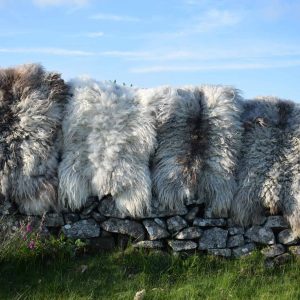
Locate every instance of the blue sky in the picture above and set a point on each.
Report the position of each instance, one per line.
(253, 45)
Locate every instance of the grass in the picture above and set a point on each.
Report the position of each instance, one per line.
(120, 274)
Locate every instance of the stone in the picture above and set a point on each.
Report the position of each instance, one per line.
(236, 230)
(176, 223)
(287, 237)
(160, 222)
(201, 222)
(276, 222)
(157, 212)
(140, 295)
(235, 241)
(213, 238)
(261, 235)
(86, 211)
(278, 260)
(182, 245)
(102, 243)
(71, 218)
(107, 207)
(155, 231)
(259, 220)
(243, 250)
(90, 201)
(7, 208)
(54, 220)
(295, 250)
(82, 229)
(220, 252)
(84, 217)
(192, 214)
(149, 245)
(98, 217)
(273, 250)
(189, 233)
(128, 227)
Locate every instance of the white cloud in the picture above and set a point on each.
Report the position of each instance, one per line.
(115, 18)
(60, 2)
(95, 34)
(216, 67)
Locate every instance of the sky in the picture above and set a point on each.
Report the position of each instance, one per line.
(253, 45)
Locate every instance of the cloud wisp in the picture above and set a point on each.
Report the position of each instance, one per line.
(114, 18)
(44, 3)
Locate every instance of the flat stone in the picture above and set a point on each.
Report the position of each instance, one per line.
(189, 233)
(155, 231)
(243, 250)
(128, 227)
(213, 238)
(273, 250)
(82, 229)
(149, 245)
(201, 222)
(107, 207)
(86, 211)
(98, 217)
(287, 237)
(160, 222)
(176, 223)
(192, 214)
(220, 252)
(295, 250)
(54, 220)
(182, 245)
(71, 218)
(276, 222)
(102, 243)
(235, 241)
(261, 235)
(236, 230)
(157, 212)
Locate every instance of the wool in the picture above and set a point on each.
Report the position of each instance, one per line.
(199, 136)
(268, 176)
(31, 101)
(109, 136)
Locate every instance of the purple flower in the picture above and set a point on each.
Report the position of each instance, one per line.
(31, 245)
(28, 227)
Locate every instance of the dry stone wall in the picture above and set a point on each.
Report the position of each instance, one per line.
(192, 229)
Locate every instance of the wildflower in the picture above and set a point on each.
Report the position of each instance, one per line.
(31, 245)
(28, 227)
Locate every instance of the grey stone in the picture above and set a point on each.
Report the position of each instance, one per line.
(220, 252)
(82, 229)
(71, 218)
(286, 237)
(243, 250)
(282, 259)
(160, 222)
(157, 212)
(84, 217)
(192, 214)
(176, 223)
(259, 220)
(128, 227)
(182, 245)
(107, 207)
(276, 222)
(208, 213)
(189, 233)
(213, 238)
(54, 220)
(149, 245)
(87, 210)
(7, 208)
(90, 201)
(236, 230)
(295, 250)
(98, 217)
(102, 243)
(261, 235)
(235, 241)
(155, 231)
(201, 222)
(273, 250)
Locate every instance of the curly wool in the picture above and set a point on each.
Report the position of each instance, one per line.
(268, 177)
(199, 136)
(109, 135)
(31, 112)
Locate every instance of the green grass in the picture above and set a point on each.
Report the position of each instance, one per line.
(119, 275)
